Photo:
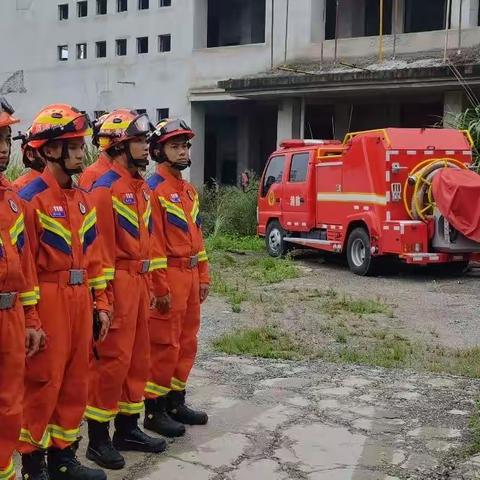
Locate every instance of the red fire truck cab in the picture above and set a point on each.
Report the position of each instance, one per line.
(369, 197)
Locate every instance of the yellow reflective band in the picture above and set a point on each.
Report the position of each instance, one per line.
(109, 273)
(172, 208)
(98, 283)
(202, 256)
(130, 408)
(63, 434)
(17, 228)
(147, 214)
(29, 298)
(44, 442)
(156, 389)
(103, 416)
(157, 263)
(88, 222)
(195, 208)
(177, 384)
(125, 212)
(56, 227)
(37, 292)
(116, 126)
(8, 472)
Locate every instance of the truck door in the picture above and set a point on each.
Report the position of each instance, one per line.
(270, 198)
(297, 194)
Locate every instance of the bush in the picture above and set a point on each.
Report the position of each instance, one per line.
(229, 210)
(470, 120)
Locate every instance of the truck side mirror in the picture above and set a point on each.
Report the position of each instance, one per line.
(269, 182)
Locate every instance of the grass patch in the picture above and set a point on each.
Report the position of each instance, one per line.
(265, 342)
(235, 294)
(267, 270)
(234, 243)
(334, 306)
(474, 431)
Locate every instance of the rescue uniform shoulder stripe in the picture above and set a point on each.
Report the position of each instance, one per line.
(155, 180)
(106, 180)
(33, 188)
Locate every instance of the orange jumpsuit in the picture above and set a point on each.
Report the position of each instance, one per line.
(17, 274)
(61, 224)
(92, 173)
(174, 335)
(117, 379)
(25, 179)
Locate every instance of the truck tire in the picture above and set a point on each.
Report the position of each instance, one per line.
(276, 246)
(359, 256)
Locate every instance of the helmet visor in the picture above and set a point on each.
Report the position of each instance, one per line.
(140, 126)
(170, 127)
(5, 106)
(77, 125)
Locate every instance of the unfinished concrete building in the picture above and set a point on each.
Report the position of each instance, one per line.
(245, 73)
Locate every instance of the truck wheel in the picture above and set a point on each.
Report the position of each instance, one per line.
(359, 256)
(276, 247)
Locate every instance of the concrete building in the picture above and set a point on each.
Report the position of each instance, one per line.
(244, 73)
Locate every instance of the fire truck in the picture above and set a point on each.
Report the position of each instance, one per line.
(378, 197)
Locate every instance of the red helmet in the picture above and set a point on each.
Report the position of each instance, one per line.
(168, 128)
(6, 114)
(58, 122)
(122, 125)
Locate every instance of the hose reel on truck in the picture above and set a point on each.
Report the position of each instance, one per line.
(427, 197)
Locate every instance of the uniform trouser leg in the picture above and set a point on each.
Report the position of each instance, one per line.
(12, 361)
(118, 378)
(173, 335)
(56, 380)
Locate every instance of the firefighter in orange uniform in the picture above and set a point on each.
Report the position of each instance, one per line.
(61, 225)
(103, 163)
(32, 160)
(118, 377)
(20, 332)
(175, 321)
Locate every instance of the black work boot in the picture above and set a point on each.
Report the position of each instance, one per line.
(63, 465)
(100, 448)
(129, 438)
(177, 409)
(34, 466)
(158, 420)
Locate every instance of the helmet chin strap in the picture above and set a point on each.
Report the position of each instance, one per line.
(180, 166)
(61, 160)
(133, 162)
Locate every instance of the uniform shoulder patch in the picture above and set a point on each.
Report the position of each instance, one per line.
(154, 181)
(29, 191)
(106, 180)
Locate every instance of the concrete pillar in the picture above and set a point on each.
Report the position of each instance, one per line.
(469, 13)
(452, 106)
(197, 170)
(341, 120)
(243, 142)
(200, 21)
(289, 119)
(317, 18)
(398, 16)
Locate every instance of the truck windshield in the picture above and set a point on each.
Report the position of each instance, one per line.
(273, 174)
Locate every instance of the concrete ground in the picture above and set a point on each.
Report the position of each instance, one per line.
(277, 420)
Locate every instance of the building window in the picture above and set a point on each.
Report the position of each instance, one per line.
(164, 43)
(425, 16)
(101, 7)
(63, 11)
(142, 45)
(143, 4)
(165, 3)
(82, 9)
(236, 22)
(141, 111)
(101, 49)
(162, 113)
(81, 51)
(62, 53)
(121, 44)
(122, 5)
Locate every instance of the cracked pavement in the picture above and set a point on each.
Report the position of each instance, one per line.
(281, 420)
